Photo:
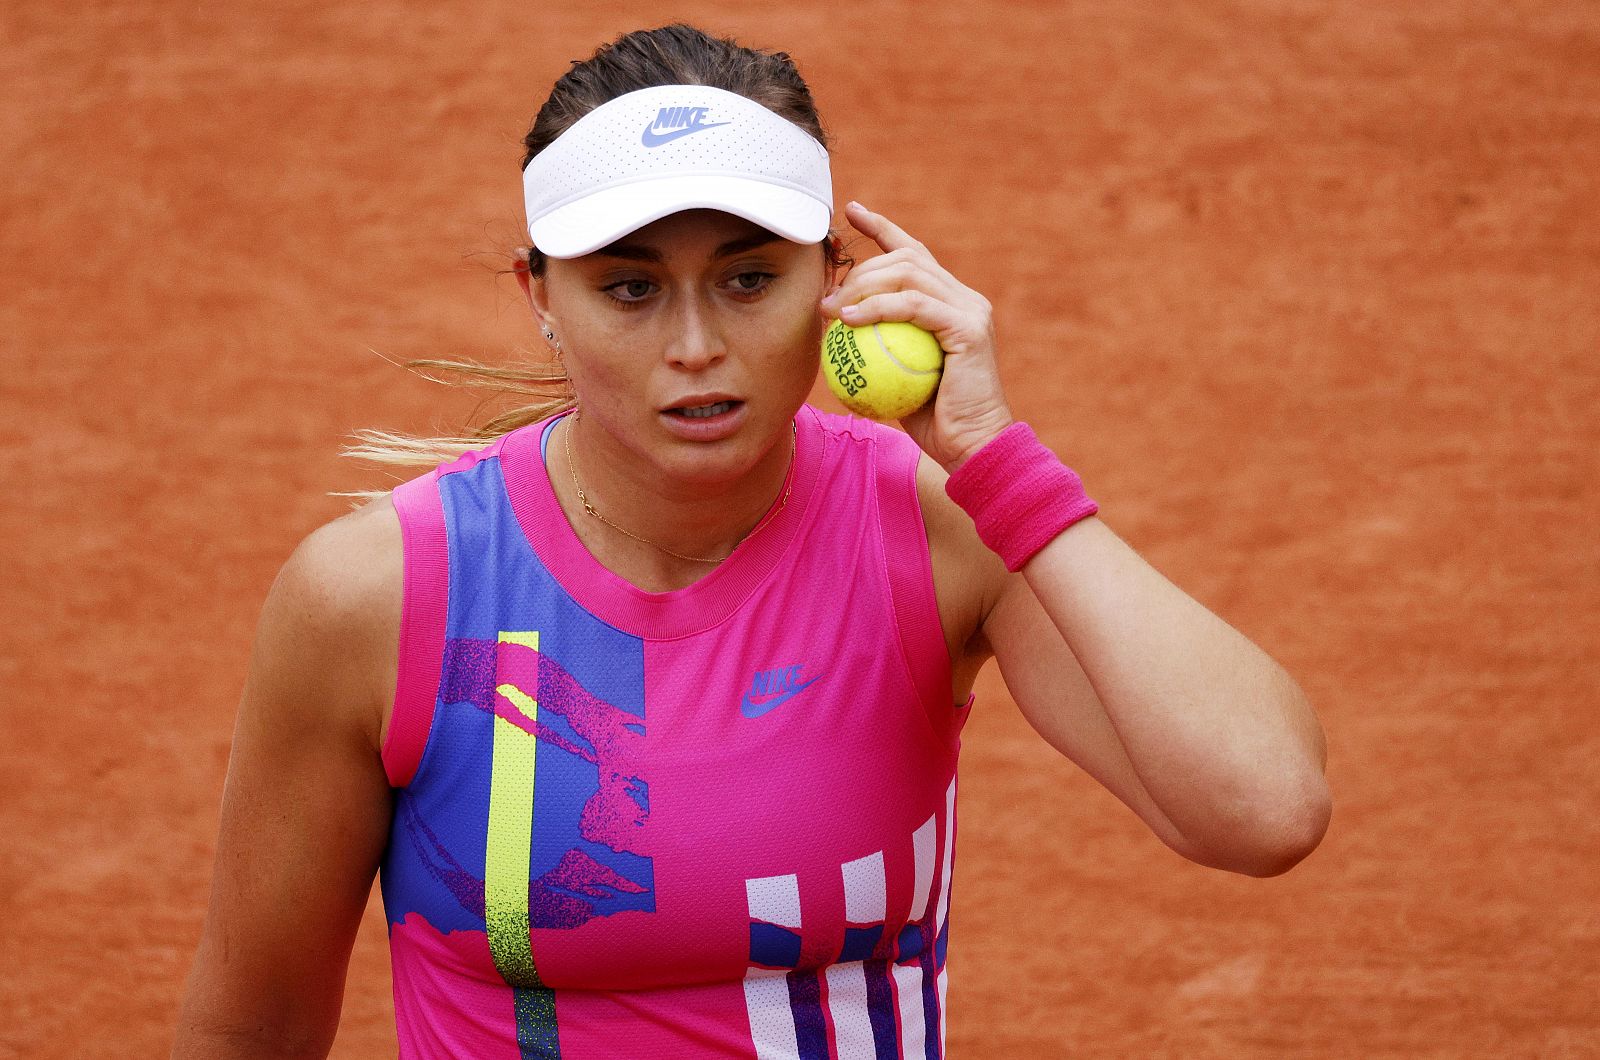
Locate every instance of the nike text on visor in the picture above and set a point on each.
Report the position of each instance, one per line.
(657, 151)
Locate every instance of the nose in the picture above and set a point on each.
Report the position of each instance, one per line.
(697, 341)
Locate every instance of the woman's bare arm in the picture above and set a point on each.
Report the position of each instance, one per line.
(1182, 695)
(1179, 714)
(1217, 735)
(306, 805)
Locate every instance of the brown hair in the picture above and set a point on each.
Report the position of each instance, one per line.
(678, 54)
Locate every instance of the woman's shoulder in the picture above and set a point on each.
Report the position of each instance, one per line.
(355, 559)
(899, 459)
(842, 425)
(866, 446)
(966, 574)
(336, 605)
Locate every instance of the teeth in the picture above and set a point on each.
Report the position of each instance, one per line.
(700, 412)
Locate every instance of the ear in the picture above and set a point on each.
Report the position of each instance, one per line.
(533, 289)
(832, 273)
(831, 276)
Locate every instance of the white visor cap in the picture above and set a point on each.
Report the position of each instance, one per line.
(660, 150)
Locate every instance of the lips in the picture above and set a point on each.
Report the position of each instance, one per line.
(701, 412)
(705, 417)
(703, 406)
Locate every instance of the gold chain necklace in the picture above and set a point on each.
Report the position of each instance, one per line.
(788, 484)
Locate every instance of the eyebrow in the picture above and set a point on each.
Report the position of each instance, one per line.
(642, 252)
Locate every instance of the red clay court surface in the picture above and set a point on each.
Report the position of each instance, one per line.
(1309, 293)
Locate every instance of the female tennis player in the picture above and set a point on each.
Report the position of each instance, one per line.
(646, 705)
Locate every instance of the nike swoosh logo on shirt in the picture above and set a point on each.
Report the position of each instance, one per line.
(751, 709)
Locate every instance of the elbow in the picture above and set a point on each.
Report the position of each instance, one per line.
(1279, 859)
(1282, 817)
(1291, 837)
(1266, 844)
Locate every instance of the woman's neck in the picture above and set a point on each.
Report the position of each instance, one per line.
(656, 532)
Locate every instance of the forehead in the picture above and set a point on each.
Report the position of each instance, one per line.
(691, 235)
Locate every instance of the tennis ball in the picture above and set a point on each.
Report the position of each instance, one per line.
(882, 371)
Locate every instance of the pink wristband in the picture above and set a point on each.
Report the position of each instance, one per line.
(1019, 494)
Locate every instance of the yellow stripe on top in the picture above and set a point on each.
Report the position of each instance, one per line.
(509, 847)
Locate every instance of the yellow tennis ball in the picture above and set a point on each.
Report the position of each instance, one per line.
(881, 371)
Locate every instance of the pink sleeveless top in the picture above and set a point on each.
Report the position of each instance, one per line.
(718, 821)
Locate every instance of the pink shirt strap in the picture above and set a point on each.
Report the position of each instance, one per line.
(910, 568)
(423, 607)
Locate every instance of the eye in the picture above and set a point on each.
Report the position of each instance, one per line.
(752, 282)
(629, 291)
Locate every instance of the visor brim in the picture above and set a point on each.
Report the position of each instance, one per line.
(601, 218)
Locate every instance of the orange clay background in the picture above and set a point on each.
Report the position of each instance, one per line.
(1308, 291)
